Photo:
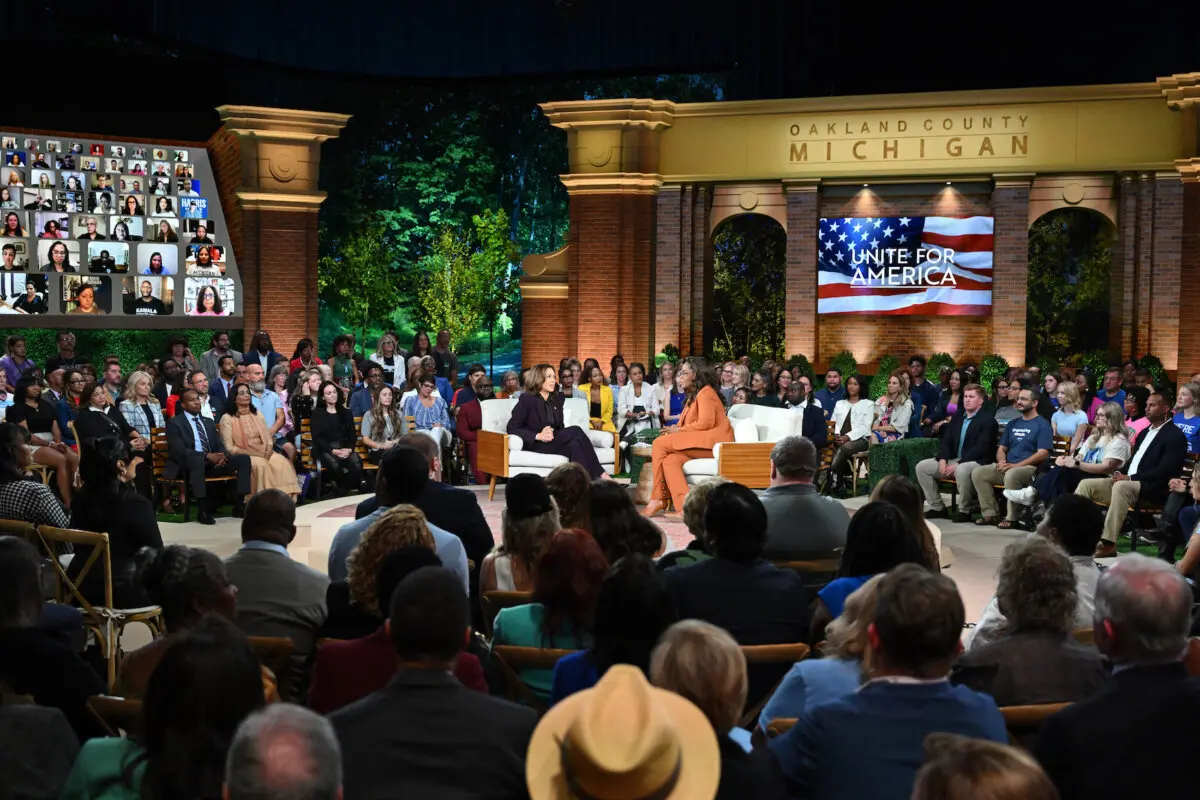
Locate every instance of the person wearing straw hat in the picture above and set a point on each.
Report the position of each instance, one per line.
(623, 739)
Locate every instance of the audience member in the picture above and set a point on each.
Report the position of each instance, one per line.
(560, 613)
(893, 412)
(346, 671)
(738, 589)
(470, 422)
(20, 499)
(960, 768)
(632, 610)
(205, 684)
(801, 523)
(617, 526)
(527, 523)
(703, 664)
(36, 661)
(37, 748)
(837, 673)
(1136, 421)
(833, 392)
(425, 734)
(1031, 656)
(403, 474)
(1143, 610)
(284, 751)
(276, 595)
(904, 495)
(106, 503)
(1025, 444)
(1102, 453)
(853, 415)
(568, 484)
(244, 432)
(334, 437)
(878, 539)
(98, 416)
(968, 442)
(39, 416)
(1157, 457)
(196, 452)
(698, 549)
(869, 744)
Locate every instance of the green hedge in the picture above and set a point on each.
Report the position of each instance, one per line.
(132, 347)
(845, 363)
(879, 382)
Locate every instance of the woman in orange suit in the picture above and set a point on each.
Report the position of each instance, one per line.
(701, 425)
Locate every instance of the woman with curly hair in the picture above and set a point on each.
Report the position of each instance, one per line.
(618, 528)
(528, 521)
(1025, 653)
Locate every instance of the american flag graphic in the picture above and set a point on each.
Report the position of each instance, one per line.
(861, 266)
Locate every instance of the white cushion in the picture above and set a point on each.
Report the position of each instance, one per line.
(773, 423)
(515, 443)
(495, 415)
(600, 439)
(575, 412)
(700, 466)
(606, 455)
(528, 458)
(745, 431)
(543, 471)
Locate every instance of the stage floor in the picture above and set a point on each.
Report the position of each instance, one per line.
(976, 551)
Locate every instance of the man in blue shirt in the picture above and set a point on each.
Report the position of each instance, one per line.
(270, 405)
(930, 393)
(870, 744)
(1026, 442)
(833, 391)
(1112, 387)
(403, 474)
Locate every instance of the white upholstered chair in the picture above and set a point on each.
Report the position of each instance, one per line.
(747, 459)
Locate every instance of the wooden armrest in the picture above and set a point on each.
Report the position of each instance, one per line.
(747, 463)
(492, 456)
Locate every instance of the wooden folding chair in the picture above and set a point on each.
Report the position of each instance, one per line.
(1085, 636)
(275, 653)
(512, 660)
(495, 601)
(25, 530)
(360, 448)
(119, 716)
(104, 621)
(816, 572)
(42, 472)
(1024, 721)
(763, 654)
(159, 454)
(779, 726)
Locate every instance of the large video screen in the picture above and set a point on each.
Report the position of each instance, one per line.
(916, 266)
(124, 230)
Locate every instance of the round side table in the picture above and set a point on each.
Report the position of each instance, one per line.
(645, 480)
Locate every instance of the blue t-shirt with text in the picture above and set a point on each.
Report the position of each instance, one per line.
(1191, 429)
(1024, 437)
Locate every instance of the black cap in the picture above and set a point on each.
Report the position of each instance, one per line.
(527, 496)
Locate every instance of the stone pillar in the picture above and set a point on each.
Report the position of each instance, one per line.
(667, 263)
(1166, 286)
(1145, 266)
(267, 161)
(1010, 265)
(800, 310)
(1123, 271)
(1182, 93)
(701, 273)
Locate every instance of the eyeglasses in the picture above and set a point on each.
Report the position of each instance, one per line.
(77, 380)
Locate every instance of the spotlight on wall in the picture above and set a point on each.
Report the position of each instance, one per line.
(865, 185)
(947, 183)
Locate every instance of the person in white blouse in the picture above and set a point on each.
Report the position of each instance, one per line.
(637, 406)
(852, 419)
(893, 411)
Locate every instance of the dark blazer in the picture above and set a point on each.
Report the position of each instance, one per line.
(1027, 668)
(530, 415)
(451, 509)
(251, 357)
(812, 427)
(181, 440)
(748, 775)
(427, 735)
(217, 396)
(1162, 462)
(982, 438)
(757, 603)
(1153, 713)
(91, 425)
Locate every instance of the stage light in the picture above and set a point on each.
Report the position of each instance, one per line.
(947, 183)
(865, 185)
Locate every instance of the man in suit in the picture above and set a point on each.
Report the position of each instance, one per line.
(1157, 458)
(1150, 716)
(801, 523)
(870, 744)
(276, 595)
(968, 443)
(425, 734)
(222, 382)
(738, 589)
(812, 426)
(195, 449)
(262, 352)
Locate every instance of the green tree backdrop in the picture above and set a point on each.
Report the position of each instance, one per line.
(1070, 253)
(749, 265)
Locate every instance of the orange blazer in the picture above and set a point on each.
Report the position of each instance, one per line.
(703, 422)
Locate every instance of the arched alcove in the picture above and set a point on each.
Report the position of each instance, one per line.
(749, 287)
(1070, 260)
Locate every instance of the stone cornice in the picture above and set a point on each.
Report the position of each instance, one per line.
(282, 123)
(1181, 90)
(1013, 180)
(653, 115)
(280, 201)
(1189, 169)
(612, 183)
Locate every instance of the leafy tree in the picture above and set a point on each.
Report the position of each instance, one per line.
(359, 280)
(749, 264)
(991, 367)
(1070, 252)
(845, 363)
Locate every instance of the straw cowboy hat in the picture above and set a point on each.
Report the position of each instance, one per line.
(623, 740)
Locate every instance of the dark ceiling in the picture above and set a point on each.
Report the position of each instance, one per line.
(114, 66)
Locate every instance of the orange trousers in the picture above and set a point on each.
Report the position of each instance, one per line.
(669, 458)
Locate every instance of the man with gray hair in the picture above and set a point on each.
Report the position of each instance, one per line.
(284, 752)
(1149, 719)
(801, 522)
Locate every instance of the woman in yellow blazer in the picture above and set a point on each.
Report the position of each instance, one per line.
(701, 425)
(600, 402)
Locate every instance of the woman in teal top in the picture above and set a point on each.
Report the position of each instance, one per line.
(564, 596)
(345, 372)
(207, 682)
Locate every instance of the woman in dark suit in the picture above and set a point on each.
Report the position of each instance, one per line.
(538, 420)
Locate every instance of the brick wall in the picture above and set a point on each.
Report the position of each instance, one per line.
(1189, 297)
(1123, 273)
(281, 297)
(542, 330)
(801, 323)
(668, 240)
(1145, 265)
(1165, 277)
(1010, 269)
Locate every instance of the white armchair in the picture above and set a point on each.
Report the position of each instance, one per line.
(503, 456)
(747, 459)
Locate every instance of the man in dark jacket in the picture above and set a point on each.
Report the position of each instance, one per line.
(969, 442)
(195, 450)
(1151, 713)
(812, 426)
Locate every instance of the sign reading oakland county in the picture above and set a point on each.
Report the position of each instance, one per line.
(919, 137)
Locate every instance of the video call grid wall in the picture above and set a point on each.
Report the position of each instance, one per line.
(56, 186)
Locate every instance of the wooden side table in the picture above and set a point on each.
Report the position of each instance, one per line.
(645, 482)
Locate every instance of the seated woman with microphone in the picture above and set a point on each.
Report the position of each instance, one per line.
(702, 424)
(537, 419)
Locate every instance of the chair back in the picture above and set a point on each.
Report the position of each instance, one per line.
(1085, 636)
(1062, 446)
(1024, 721)
(779, 726)
(577, 412)
(816, 573)
(15, 527)
(825, 454)
(766, 654)
(307, 462)
(53, 541)
(74, 435)
(512, 660)
(119, 716)
(494, 414)
(495, 601)
(773, 423)
(159, 452)
(275, 653)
